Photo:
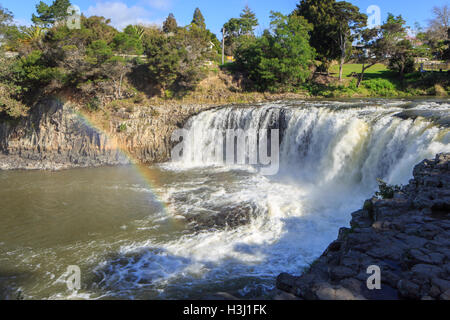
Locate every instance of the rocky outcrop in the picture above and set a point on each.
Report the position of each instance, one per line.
(407, 237)
(60, 135)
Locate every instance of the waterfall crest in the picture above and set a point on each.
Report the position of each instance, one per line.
(330, 143)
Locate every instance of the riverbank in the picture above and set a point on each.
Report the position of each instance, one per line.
(407, 237)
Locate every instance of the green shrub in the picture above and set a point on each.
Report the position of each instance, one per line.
(123, 127)
(386, 191)
(381, 87)
(93, 104)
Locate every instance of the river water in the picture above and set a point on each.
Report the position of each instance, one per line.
(192, 228)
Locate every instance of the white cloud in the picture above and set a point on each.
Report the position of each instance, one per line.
(121, 15)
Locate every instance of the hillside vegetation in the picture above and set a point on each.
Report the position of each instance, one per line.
(302, 54)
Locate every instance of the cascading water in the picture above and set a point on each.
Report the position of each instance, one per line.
(226, 227)
(248, 228)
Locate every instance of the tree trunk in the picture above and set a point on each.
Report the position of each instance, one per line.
(361, 75)
(120, 86)
(343, 49)
(341, 67)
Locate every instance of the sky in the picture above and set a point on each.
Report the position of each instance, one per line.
(216, 12)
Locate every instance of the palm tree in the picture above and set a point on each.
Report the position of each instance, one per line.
(139, 31)
(34, 34)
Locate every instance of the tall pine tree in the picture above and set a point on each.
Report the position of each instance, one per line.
(198, 19)
(170, 24)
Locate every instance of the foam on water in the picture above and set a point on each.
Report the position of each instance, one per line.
(331, 155)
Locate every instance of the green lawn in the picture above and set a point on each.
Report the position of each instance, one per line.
(377, 71)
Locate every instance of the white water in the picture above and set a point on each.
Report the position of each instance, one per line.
(330, 156)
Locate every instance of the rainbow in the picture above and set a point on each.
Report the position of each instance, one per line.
(149, 177)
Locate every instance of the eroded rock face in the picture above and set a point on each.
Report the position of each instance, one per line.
(57, 135)
(408, 237)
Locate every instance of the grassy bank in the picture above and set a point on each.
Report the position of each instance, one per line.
(380, 82)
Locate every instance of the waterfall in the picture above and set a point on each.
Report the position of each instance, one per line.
(334, 143)
(245, 228)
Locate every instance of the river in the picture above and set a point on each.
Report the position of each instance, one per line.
(195, 227)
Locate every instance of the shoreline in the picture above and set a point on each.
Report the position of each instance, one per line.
(407, 237)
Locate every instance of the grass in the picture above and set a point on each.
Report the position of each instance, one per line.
(377, 71)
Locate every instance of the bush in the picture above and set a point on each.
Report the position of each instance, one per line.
(10, 106)
(123, 127)
(386, 191)
(93, 105)
(381, 87)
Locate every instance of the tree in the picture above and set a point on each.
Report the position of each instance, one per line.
(34, 35)
(170, 24)
(115, 69)
(9, 105)
(440, 23)
(402, 58)
(98, 52)
(198, 19)
(377, 45)
(128, 42)
(321, 14)
(49, 15)
(248, 21)
(436, 35)
(281, 58)
(349, 24)
(163, 60)
(6, 19)
(236, 28)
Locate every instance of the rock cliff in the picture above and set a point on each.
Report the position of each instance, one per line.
(59, 135)
(407, 237)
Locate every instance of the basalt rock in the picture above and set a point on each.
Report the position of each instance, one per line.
(407, 237)
(60, 135)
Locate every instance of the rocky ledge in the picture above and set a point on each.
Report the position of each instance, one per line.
(407, 237)
(59, 135)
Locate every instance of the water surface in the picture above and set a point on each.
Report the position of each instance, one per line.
(197, 227)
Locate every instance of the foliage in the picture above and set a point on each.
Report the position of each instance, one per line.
(321, 14)
(239, 29)
(170, 24)
(178, 60)
(9, 33)
(435, 37)
(402, 58)
(349, 23)
(386, 191)
(9, 105)
(378, 44)
(128, 42)
(164, 57)
(123, 127)
(198, 19)
(279, 59)
(93, 104)
(381, 87)
(99, 61)
(6, 19)
(49, 15)
(34, 72)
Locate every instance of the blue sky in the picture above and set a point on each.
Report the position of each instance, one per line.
(123, 12)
